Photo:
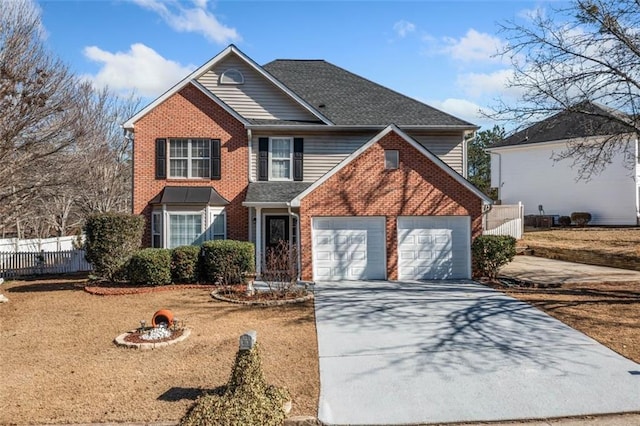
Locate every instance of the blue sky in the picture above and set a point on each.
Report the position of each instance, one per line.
(439, 52)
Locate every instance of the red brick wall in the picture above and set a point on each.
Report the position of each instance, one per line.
(190, 113)
(364, 188)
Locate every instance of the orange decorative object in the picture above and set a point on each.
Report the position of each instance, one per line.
(162, 316)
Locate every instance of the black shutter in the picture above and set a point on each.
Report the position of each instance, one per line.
(216, 170)
(263, 158)
(161, 158)
(297, 158)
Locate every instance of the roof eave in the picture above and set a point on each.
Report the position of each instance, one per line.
(358, 127)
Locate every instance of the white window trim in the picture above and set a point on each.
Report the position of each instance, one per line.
(396, 159)
(156, 215)
(271, 177)
(170, 213)
(206, 213)
(211, 213)
(189, 159)
(221, 81)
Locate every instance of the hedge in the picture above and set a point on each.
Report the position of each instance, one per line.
(150, 266)
(111, 239)
(184, 264)
(490, 253)
(226, 261)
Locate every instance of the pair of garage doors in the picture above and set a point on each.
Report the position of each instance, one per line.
(354, 248)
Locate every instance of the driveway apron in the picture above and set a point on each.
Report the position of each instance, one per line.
(453, 351)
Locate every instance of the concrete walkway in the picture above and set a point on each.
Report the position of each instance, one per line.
(414, 352)
(549, 271)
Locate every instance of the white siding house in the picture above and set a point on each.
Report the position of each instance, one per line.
(524, 167)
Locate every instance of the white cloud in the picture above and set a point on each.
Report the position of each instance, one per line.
(480, 84)
(403, 28)
(532, 14)
(141, 69)
(474, 46)
(464, 109)
(196, 19)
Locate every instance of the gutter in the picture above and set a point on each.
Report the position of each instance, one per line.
(324, 127)
(249, 137)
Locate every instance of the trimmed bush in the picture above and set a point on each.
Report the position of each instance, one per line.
(564, 221)
(490, 253)
(150, 266)
(110, 241)
(581, 218)
(184, 264)
(226, 261)
(245, 400)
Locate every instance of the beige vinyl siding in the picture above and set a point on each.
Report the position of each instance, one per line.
(447, 146)
(323, 151)
(257, 97)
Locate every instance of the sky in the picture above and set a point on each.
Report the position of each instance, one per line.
(442, 53)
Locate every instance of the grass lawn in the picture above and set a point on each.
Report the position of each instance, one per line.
(608, 240)
(59, 364)
(607, 312)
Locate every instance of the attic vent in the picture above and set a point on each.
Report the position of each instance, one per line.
(231, 76)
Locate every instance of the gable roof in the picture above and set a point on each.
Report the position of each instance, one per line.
(424, 151)
(191, 78)
(583, 120)
(348, 99)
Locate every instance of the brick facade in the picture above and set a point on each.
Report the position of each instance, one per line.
(190, 113)
(364, 187)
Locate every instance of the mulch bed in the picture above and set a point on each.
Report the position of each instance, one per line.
(135, 337)
(114, 289)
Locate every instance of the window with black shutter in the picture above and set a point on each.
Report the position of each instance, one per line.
(161, 158)
(263, 159)
(298, 150)
(216, 169)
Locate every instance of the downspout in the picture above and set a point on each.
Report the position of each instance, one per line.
(297, 218)
(249, 137)
(465, 167)
(499, 173)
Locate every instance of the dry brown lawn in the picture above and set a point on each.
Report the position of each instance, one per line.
(58, 362)
(608, 240)
(607, 312)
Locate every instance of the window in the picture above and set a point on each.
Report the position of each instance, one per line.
(218, 229)
(185, 229)
(391, 159)
(156, 229)
(189, 158)
(280, 156)
(231, 76)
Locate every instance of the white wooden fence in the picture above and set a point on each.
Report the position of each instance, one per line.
(15, 264)
(505, 220)
(37, 245)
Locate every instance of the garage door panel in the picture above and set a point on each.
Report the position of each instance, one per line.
(349, 248)
(434, 247)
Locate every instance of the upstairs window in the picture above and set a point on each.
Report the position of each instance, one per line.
(391, 159)
(189, 158)
(231, 76)
(280, 156)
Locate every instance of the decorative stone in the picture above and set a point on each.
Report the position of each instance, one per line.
(248, 340)
(3, 298)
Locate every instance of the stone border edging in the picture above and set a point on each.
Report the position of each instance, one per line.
(123, 291)
(216, 295)
(120, 341)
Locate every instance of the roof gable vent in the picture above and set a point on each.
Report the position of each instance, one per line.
(231, 76)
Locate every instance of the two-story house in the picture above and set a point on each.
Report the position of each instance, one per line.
(365, 182)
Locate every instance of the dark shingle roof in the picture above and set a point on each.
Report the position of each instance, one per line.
(583, 120)
(348, 99)
(264, 121)
(274, 192)
(189, 195)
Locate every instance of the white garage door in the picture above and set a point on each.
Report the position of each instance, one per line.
(434, 247)
(349, 248)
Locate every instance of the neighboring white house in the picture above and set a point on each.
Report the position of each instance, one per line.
(524, 167)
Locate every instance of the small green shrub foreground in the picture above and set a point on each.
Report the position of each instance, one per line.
(150, 266)
(184, 264)
(581, 218)
(490, 253)
(111, 239)
(226, 261)
(246, 401)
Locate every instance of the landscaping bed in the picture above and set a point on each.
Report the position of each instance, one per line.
(60, 364)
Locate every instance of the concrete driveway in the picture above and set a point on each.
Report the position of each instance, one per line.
(415, 352)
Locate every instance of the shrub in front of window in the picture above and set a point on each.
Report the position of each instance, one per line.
(564, 221)
(581, 218)
(184, 264)
(150, 266)
(490, 253)
(226, 261)
(110, 240)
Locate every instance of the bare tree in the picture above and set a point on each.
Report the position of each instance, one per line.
(583, 59)
(39, 119)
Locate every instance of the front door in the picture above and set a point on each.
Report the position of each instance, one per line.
(277, 229)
